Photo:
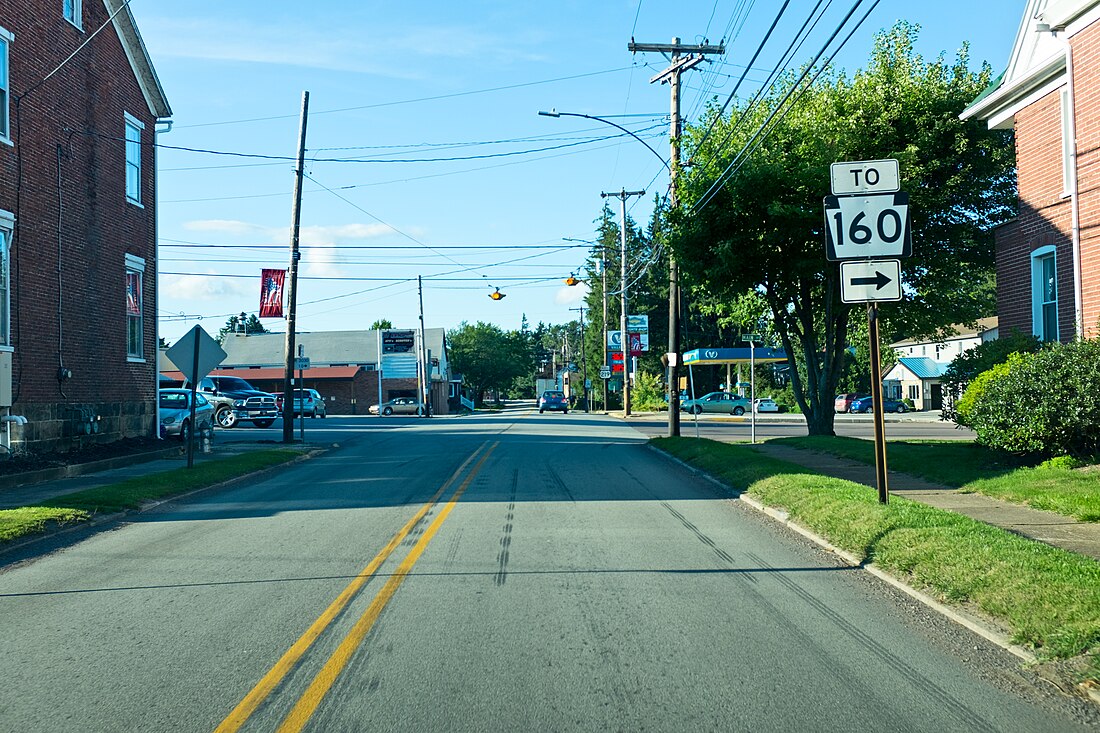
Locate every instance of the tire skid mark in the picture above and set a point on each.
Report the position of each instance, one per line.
(501, 575)
(970, 719)
(553, 474)
(704, 538)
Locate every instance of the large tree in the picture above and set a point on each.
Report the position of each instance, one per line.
(488, 357)
(762, 229)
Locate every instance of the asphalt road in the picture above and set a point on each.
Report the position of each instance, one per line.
(500, 572)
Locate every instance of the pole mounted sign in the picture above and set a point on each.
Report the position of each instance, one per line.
(865, 176)
(865, 282)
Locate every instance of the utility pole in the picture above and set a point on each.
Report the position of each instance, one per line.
(671, 76)
(624, 337)
(292, 294)
(603, 346)
(422, 356)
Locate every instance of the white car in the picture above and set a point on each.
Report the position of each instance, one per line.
(766, 404)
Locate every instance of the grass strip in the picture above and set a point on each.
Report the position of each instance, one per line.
(132, 493)
(1047, 597)
(972, 468)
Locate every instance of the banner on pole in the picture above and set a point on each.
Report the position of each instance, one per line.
(271, 293)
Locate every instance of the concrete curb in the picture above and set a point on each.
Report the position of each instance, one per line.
(972, 623)
(98, 520)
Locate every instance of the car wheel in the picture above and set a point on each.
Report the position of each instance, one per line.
(263, 423)
(739, 411)
(185, 431)
(387, 411)
(313, 414)
(541, 411)
(695, 409)
(226, 417)
(565, 412)
(901, 409)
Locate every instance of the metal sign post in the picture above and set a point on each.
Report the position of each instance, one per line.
(196, 354)
(876, 399)
(751, 338)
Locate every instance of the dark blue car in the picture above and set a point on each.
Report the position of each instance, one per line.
(553, 400)
(865, 404)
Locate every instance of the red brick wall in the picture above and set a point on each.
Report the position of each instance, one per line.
(1086, 61)
(80, 319)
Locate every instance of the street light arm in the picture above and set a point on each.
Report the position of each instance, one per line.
(555, 113)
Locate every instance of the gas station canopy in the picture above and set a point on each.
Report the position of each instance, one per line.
(698, 357)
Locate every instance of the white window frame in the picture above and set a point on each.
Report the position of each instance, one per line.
(77, 12)
(7, 231)
(136, 265)
(6, 39)
(1038, 324)
(133, 157)
(1067, 146)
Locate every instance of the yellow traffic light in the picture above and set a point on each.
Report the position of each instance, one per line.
(571, 280)
(496, 294)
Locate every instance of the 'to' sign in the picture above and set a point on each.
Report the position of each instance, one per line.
(865, 176)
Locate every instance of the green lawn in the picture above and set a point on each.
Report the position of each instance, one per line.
(132, 493)
(972, 468)
(1049, 598)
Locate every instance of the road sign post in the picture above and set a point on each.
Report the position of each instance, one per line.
(196, 354)
(866, 220)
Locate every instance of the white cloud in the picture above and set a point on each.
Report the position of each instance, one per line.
(224, 226)
(201, 287)
(570, 295)
(335, 233)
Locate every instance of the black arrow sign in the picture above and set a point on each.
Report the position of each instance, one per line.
(880, 280)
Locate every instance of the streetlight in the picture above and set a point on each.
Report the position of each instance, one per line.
(673, 289)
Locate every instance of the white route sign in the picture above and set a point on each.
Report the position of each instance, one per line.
(867, 282)
(867, 227)
(865, 176)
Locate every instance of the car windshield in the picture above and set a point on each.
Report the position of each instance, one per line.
(234, 384)
(173, 400)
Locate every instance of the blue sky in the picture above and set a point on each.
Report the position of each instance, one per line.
(395, 82)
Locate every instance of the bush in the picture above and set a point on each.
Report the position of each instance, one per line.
(649, 393)
(983, 357)
(1046, 403)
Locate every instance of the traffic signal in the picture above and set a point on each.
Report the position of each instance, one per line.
(571, 280)
(496, 294)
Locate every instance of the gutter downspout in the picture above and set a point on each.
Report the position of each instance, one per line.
(156, 274)
(1075, 203)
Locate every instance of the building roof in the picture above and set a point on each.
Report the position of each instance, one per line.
(922, 367)
(138, 56)
(324, 348)
(275, 373)
(953, 332)
(1037, 65)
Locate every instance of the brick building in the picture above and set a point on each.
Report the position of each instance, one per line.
(1048, 258)
(78, 111)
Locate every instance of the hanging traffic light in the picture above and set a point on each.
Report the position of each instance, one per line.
(496, 294)
(571, 280)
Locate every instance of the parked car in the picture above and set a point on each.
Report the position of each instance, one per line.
(766, 404)
(175, 413)
(722, 402)
(236, 400)
(843, 402)
(553, 399)
(306, 401)
(866, 404)
(399, 406)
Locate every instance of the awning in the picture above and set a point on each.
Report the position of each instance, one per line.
(697, 357)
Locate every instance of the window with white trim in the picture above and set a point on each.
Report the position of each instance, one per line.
(1044, 294)
(135, 334)
(133, 159)
(1067, 146)
(71, 10)
(5, 85)
(914, 392)
(7, 228)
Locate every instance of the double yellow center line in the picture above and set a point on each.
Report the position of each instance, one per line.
(324, 680)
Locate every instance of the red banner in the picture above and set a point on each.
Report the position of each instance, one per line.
(271, 293)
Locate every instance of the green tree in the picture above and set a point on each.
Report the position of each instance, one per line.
(233, 325)
(488, 357)
(761, 229)
(382, 324)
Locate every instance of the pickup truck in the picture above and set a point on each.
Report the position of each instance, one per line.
(235, 400)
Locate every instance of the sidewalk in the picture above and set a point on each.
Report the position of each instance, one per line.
(1053, 529)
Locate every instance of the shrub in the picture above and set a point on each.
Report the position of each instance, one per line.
(983, 357)
(649, 393)
(1046, 403)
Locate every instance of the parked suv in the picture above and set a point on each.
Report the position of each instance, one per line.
(843, 402)
(306, 401)
(236, 400)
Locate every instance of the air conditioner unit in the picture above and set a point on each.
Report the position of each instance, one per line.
(5, 378)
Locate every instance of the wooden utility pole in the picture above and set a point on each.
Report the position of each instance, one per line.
(671, 76)
(422, 356)
(292, 293)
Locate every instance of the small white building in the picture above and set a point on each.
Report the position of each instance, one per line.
(921, 363)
